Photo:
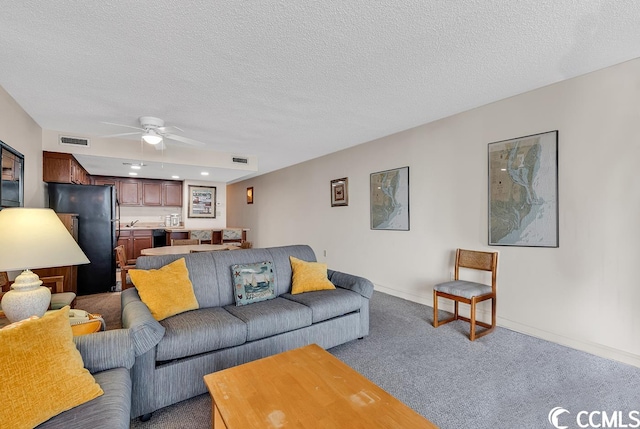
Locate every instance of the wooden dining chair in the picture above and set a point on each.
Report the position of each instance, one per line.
(204, 235)
(232, 235)
(469, 292)
(125, 265)
(59, 298)
(184, 242)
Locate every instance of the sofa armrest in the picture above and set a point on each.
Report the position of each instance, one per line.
(106, 350)
(348, 281)
(146, 332)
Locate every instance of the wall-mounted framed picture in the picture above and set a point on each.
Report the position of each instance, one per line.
(250, 195)
(202, 201)
(390, 199)
(340, 192)
(523, 191)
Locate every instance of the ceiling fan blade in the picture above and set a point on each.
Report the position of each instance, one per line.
(122, 125)
(121, 134)
(183, 139)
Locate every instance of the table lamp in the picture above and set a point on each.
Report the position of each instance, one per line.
(30, 239)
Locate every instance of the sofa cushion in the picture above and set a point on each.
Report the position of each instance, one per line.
(199, 331)
(253, 282)
(40, 362)
(109, 411)
(167, 291)
(308, 276)
(327, 304)
(272, 317)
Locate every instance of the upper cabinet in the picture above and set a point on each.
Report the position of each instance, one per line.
(151, 193)
(144, 192)
(11, 184)
(172, 194)
(130, 192)
(63, 168)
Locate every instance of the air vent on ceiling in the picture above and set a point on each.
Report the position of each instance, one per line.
(240, 160)
(74, 141)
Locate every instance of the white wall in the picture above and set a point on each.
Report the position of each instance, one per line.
(583, 294)
(21, 132)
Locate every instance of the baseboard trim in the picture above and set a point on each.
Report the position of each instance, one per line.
(574, 343)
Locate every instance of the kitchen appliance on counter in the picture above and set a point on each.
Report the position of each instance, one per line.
(175, 219)
(96, 209)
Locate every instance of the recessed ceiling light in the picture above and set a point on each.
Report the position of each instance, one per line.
(136, 167)
(133, 173)
(175, 177)
(205, 173)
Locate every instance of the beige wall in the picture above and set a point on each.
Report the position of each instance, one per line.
(22, 133)
(583, 294)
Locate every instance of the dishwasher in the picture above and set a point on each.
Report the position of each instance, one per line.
(159, 238)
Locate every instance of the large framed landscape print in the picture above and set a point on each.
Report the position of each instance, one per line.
(523, 191)
(390, 199)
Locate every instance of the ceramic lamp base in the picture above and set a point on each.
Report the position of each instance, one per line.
(26, 298)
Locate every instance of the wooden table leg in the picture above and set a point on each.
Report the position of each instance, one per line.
(218, 423)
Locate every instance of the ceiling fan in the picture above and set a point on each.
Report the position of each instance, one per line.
(153, 132)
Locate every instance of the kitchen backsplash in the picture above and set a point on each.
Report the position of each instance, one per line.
(147, 216)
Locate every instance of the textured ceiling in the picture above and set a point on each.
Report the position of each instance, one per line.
(287, 81)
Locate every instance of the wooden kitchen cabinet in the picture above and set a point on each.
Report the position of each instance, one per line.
(144, 192)
(151, 193)
(172, 194)
(134, 240)
(70, 273)
(130, 192)
(107, 181)
(63, 168)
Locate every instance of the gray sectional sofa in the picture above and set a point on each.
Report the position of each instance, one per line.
(173, 355)
(109, 357)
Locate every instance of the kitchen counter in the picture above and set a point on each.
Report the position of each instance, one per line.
(183, 229)
(173, 233)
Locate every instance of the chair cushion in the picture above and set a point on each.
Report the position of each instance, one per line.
(59, 300)
(111, 410)
(327, 304)
(271, 317)
(199, 331)
(463, 288)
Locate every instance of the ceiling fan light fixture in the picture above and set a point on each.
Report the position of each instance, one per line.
(152, 137)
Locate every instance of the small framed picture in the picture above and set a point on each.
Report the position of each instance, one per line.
(340, 192)
(202, 201)
(250, 195)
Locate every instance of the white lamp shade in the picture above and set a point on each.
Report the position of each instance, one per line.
(36, 238)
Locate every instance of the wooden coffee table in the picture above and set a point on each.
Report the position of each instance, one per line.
(304, 388)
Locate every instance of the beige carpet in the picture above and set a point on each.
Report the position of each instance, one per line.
(106, 304)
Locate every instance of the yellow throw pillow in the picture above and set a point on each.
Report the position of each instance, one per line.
(167, 291)
(41, 371)
(308, 276)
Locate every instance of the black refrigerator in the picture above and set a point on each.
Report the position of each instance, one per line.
(96, 209)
